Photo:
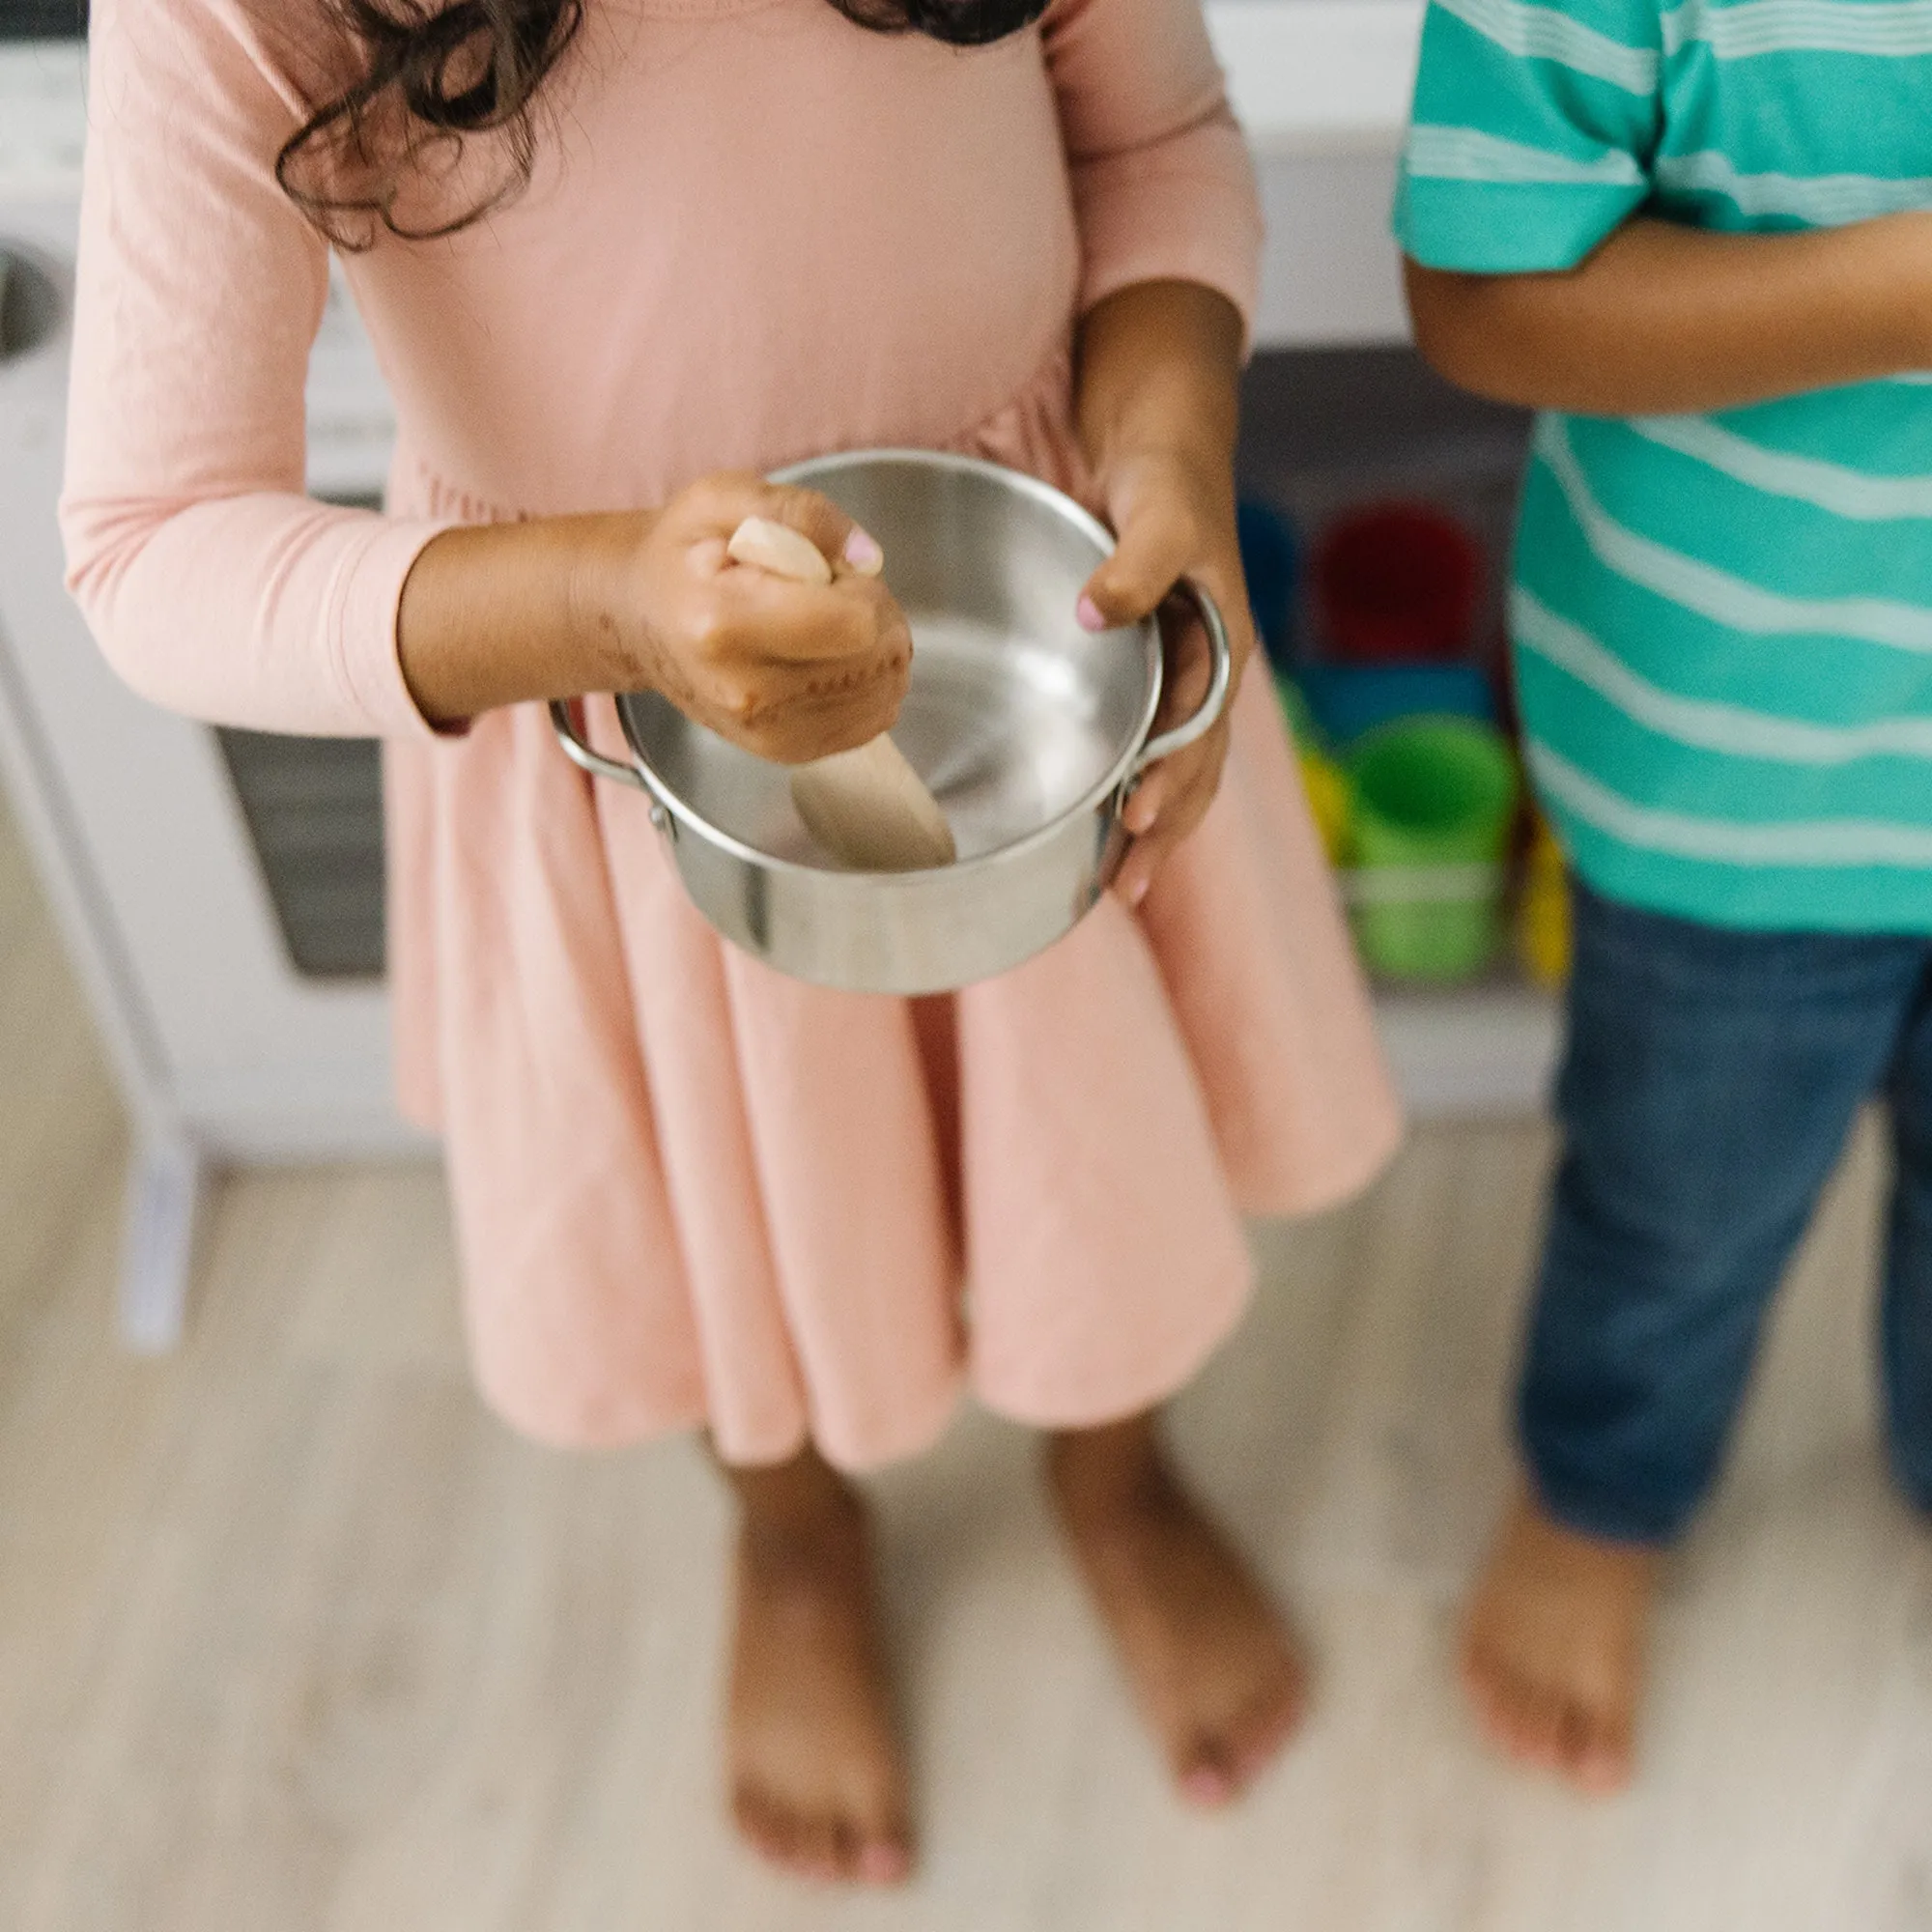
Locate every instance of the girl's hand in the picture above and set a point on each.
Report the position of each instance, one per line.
(1159, 394)
(1175, 516)
(789, 671)
(505, 613)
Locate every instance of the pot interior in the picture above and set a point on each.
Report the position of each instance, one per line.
(1014, 717)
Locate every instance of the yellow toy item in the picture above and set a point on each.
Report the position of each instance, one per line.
(1322, 777)
(1328, 802)
(1543, 923)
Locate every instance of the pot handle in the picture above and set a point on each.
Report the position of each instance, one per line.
(1221, 682)
(581, 756)
(599, 766)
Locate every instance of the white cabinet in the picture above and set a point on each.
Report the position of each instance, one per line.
(1322, 88)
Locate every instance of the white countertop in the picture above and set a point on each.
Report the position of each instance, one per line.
(1308, 77)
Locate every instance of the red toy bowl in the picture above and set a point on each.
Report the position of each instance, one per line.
(1397, 581)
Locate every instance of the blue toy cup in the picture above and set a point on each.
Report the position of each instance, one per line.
(1272, 561)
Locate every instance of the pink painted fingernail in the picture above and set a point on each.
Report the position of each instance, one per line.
(1203, 1785)
(1140, 891)
(863, 553)
(1088, 613)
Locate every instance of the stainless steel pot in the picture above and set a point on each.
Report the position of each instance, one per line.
(1031, 732)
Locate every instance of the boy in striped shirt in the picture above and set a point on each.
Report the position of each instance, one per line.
(1695, 238)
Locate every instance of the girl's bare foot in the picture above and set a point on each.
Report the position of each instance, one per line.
(1553, 1654)
(818, 1780)
(1207, 1655)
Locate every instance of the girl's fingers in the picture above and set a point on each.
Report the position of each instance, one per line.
(1156, 546)
(1189, 674)
(1142, 811)
(1144, 861)
(1182, 788)
(839, 539)
(713, 509)
(793, 717)
(854, 618)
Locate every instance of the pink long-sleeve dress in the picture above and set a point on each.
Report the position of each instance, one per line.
(687, 1189)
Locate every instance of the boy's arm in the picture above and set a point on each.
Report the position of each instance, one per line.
(1663, 320)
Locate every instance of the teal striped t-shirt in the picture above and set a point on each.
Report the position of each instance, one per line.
(1722, 623)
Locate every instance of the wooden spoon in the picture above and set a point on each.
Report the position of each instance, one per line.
(866, 807)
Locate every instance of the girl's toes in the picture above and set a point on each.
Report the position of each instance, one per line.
(889, 1851)
(1539, 1728)
(1575, 1738)
(764, 1828)
(821, 1780)
(885, 1860)
(1605, 1763)
(846, 1847)
(818, 1851)
(1252, 1740)
(1208, 1781)
(1267, 1733)
(1277, 1717)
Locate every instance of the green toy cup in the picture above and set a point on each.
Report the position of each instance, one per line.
(1434, 799)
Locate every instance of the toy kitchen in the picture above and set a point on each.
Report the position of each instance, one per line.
(220, 893)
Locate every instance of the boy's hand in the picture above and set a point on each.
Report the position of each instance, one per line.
(1175, 516)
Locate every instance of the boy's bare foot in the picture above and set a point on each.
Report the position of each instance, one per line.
(818, 1780)
(1207, 1655)
(1553, 1651)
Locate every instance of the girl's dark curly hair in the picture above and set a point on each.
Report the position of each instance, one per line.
(436, 72)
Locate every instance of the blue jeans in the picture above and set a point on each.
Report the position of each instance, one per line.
(1709, 1082)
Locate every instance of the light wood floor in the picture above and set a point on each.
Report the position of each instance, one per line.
(293, 1639)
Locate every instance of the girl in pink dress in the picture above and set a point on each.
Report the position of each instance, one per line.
(619, 257)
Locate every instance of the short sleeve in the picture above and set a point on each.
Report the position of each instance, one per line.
(1532, 132)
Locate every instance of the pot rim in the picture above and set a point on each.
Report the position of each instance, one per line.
(1100, 793)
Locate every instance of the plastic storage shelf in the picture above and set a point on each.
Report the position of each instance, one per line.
(1323, 429)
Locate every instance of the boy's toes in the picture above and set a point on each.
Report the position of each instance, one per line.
(1544, 1715)
(1486, 1704)
(1553, 1654)
(1518, 1719)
